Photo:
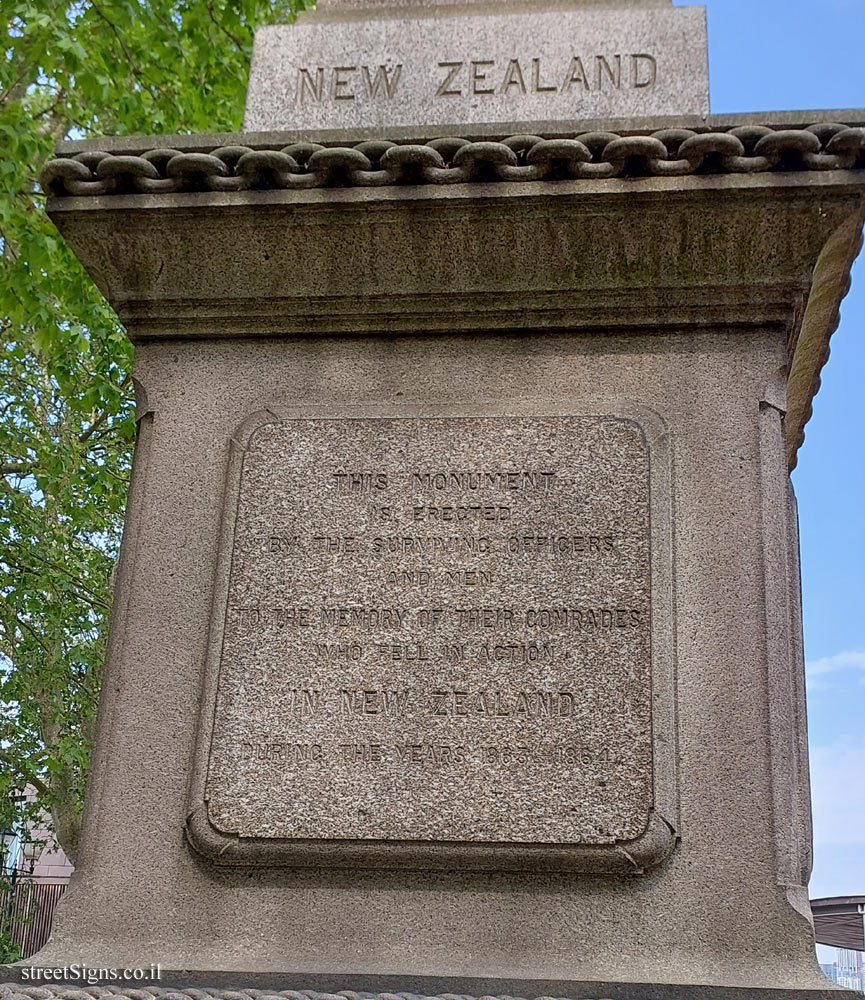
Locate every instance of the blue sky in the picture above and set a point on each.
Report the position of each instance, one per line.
(779, 55)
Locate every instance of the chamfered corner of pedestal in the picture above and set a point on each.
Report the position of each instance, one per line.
(206, 839)
(653, 847)
(246, 430)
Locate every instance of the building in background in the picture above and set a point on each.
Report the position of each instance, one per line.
(839, 923)
(35, 873)
(851, 971)
(830, 970)
(53, 866)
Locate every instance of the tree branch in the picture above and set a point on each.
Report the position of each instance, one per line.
(132, 65)
(87, 596)
(23, 625)
(103, 416)
(31, 778)
(222, 28)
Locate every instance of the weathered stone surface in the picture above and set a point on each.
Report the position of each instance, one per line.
(683, 295)
(521, 159)
(288, 987)
(428, 67)
(437, 628)
(346, 5)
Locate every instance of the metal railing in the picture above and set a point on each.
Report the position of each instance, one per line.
(26, 912)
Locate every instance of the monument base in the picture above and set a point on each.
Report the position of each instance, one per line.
(178, 985)
(693, 274)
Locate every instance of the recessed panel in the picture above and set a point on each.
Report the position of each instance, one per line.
(437, 629)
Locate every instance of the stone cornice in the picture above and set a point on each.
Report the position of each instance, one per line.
(203, 142)
(233, 165)
(658, 227)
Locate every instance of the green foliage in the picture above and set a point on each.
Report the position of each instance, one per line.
(81, 69)
(9, 950)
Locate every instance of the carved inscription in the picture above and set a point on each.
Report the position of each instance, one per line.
(501, 66)
(481, 77)
(438, 628)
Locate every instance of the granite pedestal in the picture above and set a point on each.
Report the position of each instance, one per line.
(456, 643)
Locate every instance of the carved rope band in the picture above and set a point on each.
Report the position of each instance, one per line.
(15, 991)
(377, 162)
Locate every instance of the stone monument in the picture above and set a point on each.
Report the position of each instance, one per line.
(456, 644)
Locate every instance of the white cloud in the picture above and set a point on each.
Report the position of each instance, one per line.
(838, 792)
(852, 659)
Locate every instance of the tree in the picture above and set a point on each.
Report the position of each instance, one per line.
(116, 67)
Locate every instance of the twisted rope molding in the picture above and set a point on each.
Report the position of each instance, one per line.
(671, 152)
(15, 991)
